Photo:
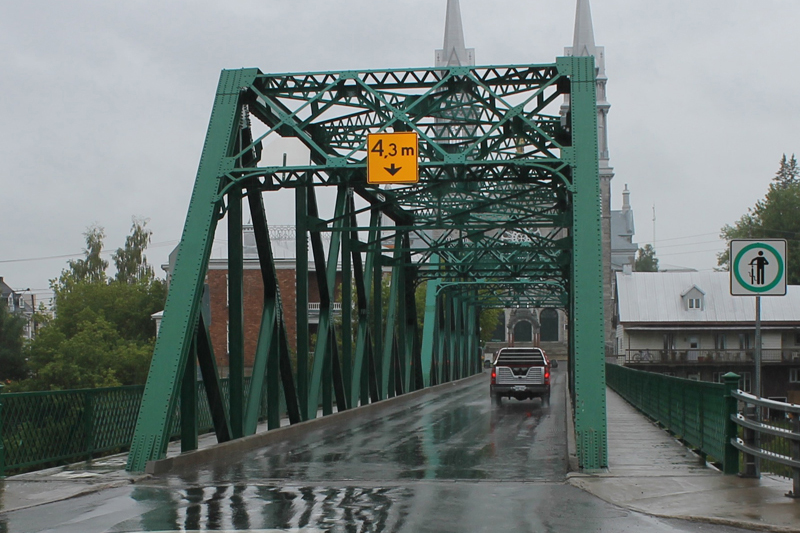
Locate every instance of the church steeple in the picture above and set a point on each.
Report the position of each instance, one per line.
(453, 52)
(583, 45)
(583, 41)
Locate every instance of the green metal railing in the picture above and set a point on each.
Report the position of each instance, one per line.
(45, 428)
(697, 412)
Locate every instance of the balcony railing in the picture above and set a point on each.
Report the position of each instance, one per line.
(695, 355)
(315, 307)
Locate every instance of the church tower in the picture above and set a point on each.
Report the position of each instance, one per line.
(453, 52)
(582, 46)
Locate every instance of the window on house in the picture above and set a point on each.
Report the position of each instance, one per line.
(794, 375)
(745, 383)
(669, 342)
(745, 342)
(694, 303)
(719, 341)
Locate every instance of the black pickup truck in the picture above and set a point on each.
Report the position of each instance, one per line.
(521, 373)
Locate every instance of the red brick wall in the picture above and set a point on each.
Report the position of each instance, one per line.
(253, 304)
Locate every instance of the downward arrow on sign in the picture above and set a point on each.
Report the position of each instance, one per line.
(393, 169)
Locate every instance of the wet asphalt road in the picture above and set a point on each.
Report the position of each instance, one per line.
(453, 463)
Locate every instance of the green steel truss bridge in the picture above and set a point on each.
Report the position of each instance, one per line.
(506, 213)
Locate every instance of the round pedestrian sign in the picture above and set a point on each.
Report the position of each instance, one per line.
(758, 268)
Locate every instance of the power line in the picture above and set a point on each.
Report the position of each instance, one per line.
(689, 244)
(42, 258)
(82, 254)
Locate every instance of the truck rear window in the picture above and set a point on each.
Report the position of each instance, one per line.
(520, 356)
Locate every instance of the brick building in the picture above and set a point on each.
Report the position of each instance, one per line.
(216, 297)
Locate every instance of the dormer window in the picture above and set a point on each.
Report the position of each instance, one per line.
(693, 298)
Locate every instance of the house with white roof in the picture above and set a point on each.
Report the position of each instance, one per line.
(687, 324)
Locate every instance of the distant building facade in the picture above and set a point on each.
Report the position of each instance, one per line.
(688, 325)
(22, 303)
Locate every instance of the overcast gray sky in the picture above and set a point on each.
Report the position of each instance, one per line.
(105, 104)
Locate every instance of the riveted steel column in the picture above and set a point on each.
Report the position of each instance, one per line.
(347, 301)
(235, 313)
(182, 309)
(189, 403)
(301, 289)
(391, 320)
(362, 361)
(429, 326)
(587, 267)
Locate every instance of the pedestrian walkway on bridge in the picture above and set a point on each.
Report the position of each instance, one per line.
(652, 472)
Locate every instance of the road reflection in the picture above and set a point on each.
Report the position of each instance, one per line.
(247, 507)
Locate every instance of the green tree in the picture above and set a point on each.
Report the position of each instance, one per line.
(130, 261)
(12, 360)
(774, 216)
(787, 173)
(102, 333)
(93, 267)
(646, 260)
(489, 319)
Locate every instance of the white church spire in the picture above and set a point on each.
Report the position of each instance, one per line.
(583, 41)
(453, 52)
(583, 45)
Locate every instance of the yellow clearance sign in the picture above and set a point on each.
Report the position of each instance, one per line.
(392, 158)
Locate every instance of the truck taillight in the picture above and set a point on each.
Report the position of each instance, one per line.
(547, 376)
(494, 377)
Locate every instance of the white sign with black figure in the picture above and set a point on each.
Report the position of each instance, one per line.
(758, 267)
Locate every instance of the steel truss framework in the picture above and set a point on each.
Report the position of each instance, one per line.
(506, 213)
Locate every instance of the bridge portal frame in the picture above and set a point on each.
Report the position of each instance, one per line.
(492, 162)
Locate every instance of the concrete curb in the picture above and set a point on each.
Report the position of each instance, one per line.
(227, 451)
(573, 464)
(741, 524)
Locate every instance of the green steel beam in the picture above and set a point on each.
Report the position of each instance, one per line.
(429, 326)
(208, 370)
(591, 430)
(189, 403)
(181, 312)
(235, 313)
(301, 295)
(389, 339)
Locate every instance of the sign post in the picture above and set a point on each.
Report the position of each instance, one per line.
(758, 268)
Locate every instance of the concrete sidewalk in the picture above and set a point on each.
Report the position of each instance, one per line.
(651, 472)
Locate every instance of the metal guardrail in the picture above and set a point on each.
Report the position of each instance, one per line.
(696, 355)
(768, 445)
(696, 412)
(51, 427)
